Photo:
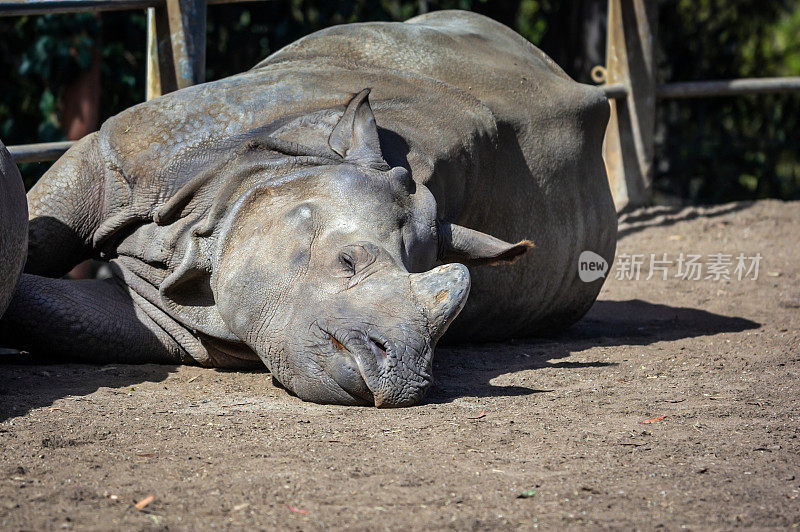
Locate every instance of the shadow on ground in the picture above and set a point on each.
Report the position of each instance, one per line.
(661, 216)
(461, 371)
(466, 371)
(24, 387)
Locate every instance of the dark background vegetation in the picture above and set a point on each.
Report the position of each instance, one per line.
(708, 150)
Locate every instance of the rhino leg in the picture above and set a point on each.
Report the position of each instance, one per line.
(64, 208)
(88, 320)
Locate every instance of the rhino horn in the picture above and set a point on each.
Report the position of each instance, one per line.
(461, 244)
(442, 293)
(355, 137)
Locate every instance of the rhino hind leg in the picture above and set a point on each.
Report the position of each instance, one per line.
(84, 320)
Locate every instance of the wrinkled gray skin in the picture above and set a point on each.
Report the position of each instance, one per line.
(14, 229)
(288, 216)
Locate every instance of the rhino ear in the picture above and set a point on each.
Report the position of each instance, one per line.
(355, 137)
(460, 244)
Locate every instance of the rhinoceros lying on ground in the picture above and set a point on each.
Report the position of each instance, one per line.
(289, 216)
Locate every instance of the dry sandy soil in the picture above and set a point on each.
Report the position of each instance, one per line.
(715, 364)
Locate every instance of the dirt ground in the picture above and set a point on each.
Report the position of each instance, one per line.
(713, 364)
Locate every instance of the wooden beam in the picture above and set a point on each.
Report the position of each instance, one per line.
(41, 7)
(17, 8)
(152, 87)
(176, 46)
(628, 145)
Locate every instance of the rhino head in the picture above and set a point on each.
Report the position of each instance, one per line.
(339, 274)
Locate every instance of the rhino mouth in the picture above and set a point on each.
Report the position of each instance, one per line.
(376, 370)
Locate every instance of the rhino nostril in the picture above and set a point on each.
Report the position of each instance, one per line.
(378, 349)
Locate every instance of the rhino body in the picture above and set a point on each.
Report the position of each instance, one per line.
(14, 229)
(213, 203)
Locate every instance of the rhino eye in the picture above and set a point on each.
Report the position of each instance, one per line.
(355, 258)
(348, 263)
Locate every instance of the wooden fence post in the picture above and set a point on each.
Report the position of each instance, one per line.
(176, 46)
(628, 145)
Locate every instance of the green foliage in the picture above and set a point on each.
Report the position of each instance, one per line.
(531, 21)
(708, 150)
(62, 47)
(42, 54)
(735, 148)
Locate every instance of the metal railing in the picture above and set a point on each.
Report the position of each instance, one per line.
(176, 42)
